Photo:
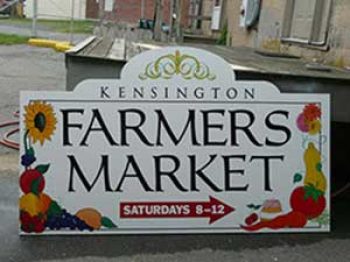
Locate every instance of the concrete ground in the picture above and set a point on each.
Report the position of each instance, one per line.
(31, 68)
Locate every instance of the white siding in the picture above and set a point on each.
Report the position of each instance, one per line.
(56, 9)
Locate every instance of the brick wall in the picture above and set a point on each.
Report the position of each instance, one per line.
(91, 9)
(129, 11)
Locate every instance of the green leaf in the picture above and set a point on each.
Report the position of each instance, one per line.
(106, 222)
(252, 206)
(297, 178)
(312, 191)
(319, 167)
(43, 168)
(315, 196)
(307, 195)
(30, 151)
(54, 209)
(35, 185)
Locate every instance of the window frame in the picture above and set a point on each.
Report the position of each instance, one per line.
(313, 40)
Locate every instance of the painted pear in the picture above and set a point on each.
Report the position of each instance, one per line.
(314, 174)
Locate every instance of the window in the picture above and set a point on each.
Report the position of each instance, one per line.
(216, 15)
(306, 21)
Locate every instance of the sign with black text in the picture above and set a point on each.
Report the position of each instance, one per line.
(177, 145)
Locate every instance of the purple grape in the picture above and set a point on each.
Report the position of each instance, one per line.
(64, 223)
(68, 221)
(27, 160)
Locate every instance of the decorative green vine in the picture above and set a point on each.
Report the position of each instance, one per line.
(189, 67)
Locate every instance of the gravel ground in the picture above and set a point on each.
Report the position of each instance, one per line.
(31, 68)
(24, 67)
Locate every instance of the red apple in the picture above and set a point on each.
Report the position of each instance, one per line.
(28, 178)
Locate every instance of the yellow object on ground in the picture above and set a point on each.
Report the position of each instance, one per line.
(60, 46)
(63, 46)
(42, 42)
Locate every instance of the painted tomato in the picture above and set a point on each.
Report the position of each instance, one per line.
(28, 178)
(308, 200)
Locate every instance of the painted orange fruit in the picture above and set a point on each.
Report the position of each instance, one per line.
(45, 202)
(90, 216)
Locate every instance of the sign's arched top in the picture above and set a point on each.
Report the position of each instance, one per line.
(180, 70)
(179, 64)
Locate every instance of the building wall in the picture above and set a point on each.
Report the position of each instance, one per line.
(207, 11)
(267, 34)
(236, 35)
(339, 34)
(56, 9)
(91, 9)
(130, 11)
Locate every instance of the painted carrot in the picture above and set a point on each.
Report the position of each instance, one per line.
(293, 219)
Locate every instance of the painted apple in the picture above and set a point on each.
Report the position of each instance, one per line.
(32, 180)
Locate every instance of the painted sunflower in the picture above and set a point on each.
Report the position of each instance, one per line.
(40, 121)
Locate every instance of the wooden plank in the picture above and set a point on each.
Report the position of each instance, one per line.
(86, 51)
(118, 50)
(83, 44)
(102, 48)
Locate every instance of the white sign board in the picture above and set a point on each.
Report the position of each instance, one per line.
(177, 145)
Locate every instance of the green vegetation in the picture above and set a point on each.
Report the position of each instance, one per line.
(62, 26)
(8, 39)
(223, 36)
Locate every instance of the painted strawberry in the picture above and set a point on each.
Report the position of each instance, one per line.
(30, 224)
